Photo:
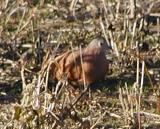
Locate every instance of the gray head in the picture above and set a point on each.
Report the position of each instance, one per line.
(101, 44)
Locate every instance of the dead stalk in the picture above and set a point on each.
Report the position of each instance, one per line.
(133, 33)
(158, 28)
(80, 96)
(109, 8)
(137, 75)
(126, 33)
(117, 8)
(72, 6)
(36, 93)
(81, 57)
(98, 120)
(114, 46)
(132, 8)
(149, 77)
(103, 30)
(23, 77)
(122, 104)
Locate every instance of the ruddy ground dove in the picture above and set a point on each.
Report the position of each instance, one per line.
(89, 64)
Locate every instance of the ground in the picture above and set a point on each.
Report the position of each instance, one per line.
(33, 32)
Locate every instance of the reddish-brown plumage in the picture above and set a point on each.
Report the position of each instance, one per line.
(158, 104)
(93, 66)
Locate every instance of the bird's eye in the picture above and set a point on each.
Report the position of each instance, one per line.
(101, 44)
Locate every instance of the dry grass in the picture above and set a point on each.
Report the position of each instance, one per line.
(32, 33)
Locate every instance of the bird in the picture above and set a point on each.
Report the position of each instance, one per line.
(88, 65)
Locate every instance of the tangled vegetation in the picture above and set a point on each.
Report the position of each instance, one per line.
(33, 32)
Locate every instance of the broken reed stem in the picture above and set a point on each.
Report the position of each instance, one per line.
(130, 99)
(36, 93)
(109, 8)
(57, 93)
(142, 77)
(101, 117)
(80, 96)
(113, 43)
(23, 77)
(150, 114)
(114, 46)
(98, 120)
(137, 75)
(140, 95)
(132, 8)
(21, 26)
(5, 5)
(81, 57)
(141, 24)
(103, 30)
(42, 2)
(21, 21)
(122, 104)
(86, 87)
(104, 6)
(56, 88)
(125, 33)
(32, 30)
(46, 84)
(72, 6)
(47, 77)
(158, 28)
(133, 33)
(59, 89)
(137, 84)
(150, 80)
(74, 58)
(141, 84)
(117, 8)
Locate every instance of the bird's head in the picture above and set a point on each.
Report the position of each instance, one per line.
(101, 45)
